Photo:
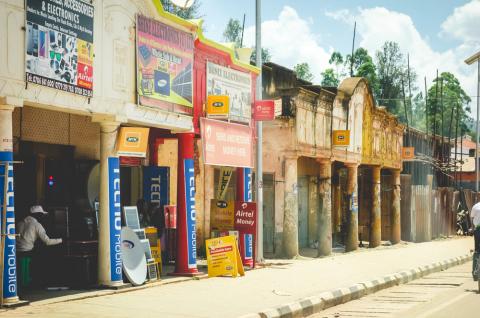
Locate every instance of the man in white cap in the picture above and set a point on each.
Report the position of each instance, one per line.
(30, 230)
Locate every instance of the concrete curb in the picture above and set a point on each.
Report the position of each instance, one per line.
(310, 305)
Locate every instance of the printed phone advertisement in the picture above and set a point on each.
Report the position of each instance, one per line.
(59, 45)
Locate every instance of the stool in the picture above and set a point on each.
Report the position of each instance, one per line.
(25, 278)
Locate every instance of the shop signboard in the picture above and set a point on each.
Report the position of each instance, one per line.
(246, 224)
(226, 144)
(164, 66)
(264, 110)
(223, 182)
(236, 85)
(191, 212)
(133, 141)
(115, 219)
(223, 257)
(408, 153)
(217, 106)
(341, 138)
(222, 215)
(156, 181)
(59, 45)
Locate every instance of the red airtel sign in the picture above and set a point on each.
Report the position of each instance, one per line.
(264, 110)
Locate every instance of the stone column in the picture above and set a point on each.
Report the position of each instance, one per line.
(325, 214)
(376, 213)
(290, 221)
(9, 266)
(351, 243)
(396, 228)
(109, 223)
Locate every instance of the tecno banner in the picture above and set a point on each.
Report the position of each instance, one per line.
(59, 45)
(226, 144)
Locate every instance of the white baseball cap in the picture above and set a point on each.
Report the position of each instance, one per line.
(37, 209)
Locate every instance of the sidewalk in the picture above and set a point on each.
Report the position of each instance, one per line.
(282, 282)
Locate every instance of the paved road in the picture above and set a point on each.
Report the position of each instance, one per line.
(448, 294)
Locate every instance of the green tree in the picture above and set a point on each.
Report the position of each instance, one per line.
(336, 59)
(189, 13)
(266, 56)
(233, 32)
(303, 71)
(329, 78)
(442, 99)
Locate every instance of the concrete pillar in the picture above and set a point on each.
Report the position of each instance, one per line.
(325, 214)
(337, 207)
(109, 227)
(290, 221)
(7, 217)
(186, 256)
(351, 242)
(376, 213)
(396, 229)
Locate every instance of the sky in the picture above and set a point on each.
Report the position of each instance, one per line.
(437, 34)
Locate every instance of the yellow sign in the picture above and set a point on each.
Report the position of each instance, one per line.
(223, 182)
(408, 153)
(223, 257)
(132, 142)
(217, 106)
(222, 215)
(341, 138)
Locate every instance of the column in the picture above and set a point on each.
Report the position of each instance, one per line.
(337, 209)
(290, 220)
(186, 256)
(396, 228)
(7, 217)
(376, 213)
(109, 227)
(351, 243)
(325, 213)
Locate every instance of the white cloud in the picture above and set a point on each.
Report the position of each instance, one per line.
(290, 41)
(377, 25)
(342, 15)
(463, 24)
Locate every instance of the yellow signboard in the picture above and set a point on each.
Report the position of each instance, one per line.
(222, 215)
(341, 138)
(408, 153)
(217, 106)
(132, 142)
(223, 257)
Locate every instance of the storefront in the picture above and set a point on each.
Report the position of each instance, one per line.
(62, 113)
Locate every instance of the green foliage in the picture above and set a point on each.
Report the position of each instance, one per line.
(266, 57)
(189, 13)
(329, 78)
(233, 32)
(303, 72)
(442, 99)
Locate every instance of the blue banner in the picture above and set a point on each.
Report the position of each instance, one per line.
(114, 218)
(191, 212)
(248, 241)
(9, 265)
(247, 185)
(156, 182)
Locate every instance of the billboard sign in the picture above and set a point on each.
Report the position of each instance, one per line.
(341, 138)
(264, 110)
(226, 144)
(164, 66)
(59, 45)
(133, 141)
(236, 85)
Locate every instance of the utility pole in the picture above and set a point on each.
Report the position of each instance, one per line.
(259, 172)
(472, 59)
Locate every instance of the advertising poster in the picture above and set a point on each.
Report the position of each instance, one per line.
(234, 84)
(223, 257)
(156, 182)
(133, 142)
(222, 215)
(164, 66)
(59, 45)
(226, 144)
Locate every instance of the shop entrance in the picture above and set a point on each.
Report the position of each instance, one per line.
(303, 212)
(268, 213)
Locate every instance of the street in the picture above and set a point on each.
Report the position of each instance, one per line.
(447, 294)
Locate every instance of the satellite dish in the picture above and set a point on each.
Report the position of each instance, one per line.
(93, 185)
(133, 257)
(184, 4)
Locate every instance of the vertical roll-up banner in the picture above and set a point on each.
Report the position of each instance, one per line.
(114, 218)
(247, 184)
(7, 213)
(191, 212)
